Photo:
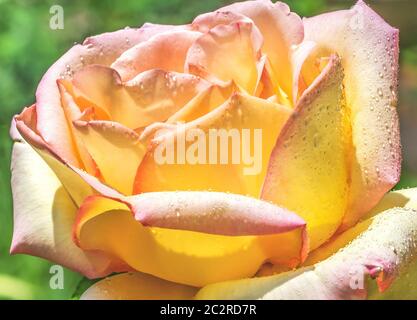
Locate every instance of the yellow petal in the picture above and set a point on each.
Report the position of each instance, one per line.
(203, 103)
(238, 113)
(116, 150)
(137, 286)
(308, 171)
(72, 113)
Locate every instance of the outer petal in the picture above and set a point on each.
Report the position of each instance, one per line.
(116, 150)
(308, 171)
(191, 255)
(280, 28)
(369, 50)
(379, 263)
(102, 49)
(44, 214)
(227, 52)
(150, 97)
(239, 112)
(137, 286)
(166, 51)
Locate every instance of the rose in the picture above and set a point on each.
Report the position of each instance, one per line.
(323, 92)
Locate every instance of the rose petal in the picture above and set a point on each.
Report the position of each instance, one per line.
(73, 183)
(206, 21)
(280, 28)
(72, 113)
(308, 170)
(212, 212)
(166, 51)
(309, 60)
(203, 103)
(191, 173)
(152, 96)
(368, 47)
(44, 214)
(377, 264)
(137, 286)
(101, 49)
(406, 198)
(116, 150)
(268, 85)
(225, 53)
(189, 256)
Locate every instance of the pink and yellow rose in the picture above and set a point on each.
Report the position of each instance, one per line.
(88, 193)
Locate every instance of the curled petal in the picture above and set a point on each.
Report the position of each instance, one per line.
(309, 60)
(73, 183)
(368, 47)
(208, 212)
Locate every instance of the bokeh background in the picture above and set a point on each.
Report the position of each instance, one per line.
(28, 47)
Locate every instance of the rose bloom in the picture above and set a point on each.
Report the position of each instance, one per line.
(316, 222)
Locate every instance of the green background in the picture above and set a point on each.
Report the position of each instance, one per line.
(28, 47)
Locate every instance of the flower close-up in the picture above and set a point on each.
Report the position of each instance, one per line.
(249, 154)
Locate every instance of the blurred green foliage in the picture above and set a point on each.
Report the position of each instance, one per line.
(28, 47)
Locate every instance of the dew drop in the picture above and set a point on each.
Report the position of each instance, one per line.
(316, 140)
(380, 93)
